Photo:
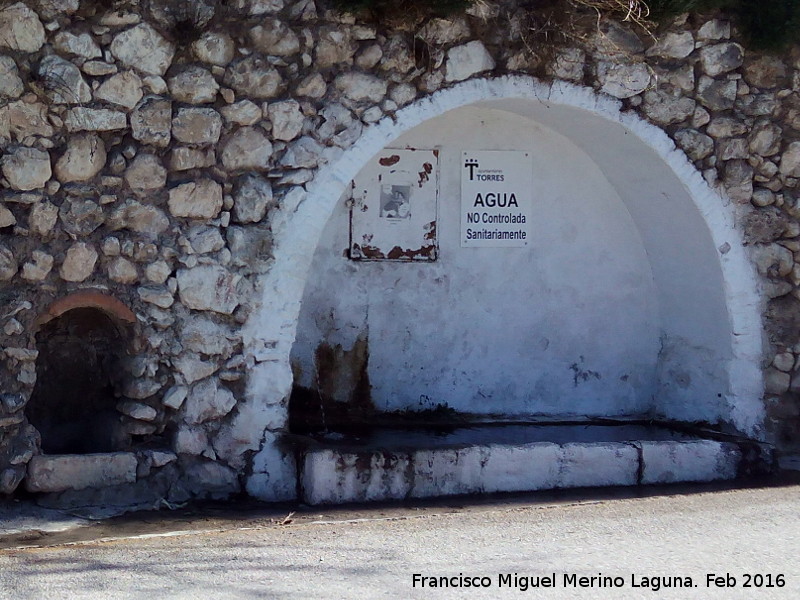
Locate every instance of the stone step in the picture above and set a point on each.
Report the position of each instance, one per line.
(78, 471)
(54, 473)
(340, 472)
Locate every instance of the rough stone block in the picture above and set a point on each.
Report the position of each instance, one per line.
(20, 29)
(76, 472)
(143, 48)
(208, 287)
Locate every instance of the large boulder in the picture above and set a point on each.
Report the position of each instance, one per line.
(151, 122)
(200, 199)
(248, 148)
(20, 29)
(27, 168)
(467, 60)
(197, 126)
(252, 200)
(79, 263)
(194, 85)
(84, 158)
(63, 81)
(208, 287)
(255, 77)
(124, 89)
(11, 85)
(143, 48)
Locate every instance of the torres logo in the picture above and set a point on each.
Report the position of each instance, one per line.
(475, 173)
(471, 164)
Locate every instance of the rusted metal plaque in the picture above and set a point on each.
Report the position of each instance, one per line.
(393, 213)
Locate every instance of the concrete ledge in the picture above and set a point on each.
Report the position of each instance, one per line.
(79, 471)
(599, 465)
(333, 476)
(533, 466)
(695, 460)
(447, 471)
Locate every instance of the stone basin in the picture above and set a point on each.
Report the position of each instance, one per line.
(396, 463)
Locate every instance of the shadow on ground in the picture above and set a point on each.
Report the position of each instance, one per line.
(25, 525)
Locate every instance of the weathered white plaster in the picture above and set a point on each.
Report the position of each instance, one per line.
(333, 476)
(716, 303)
(599, 465)
(566, 326)
(699, 460)
(534, 466)
(274, 476)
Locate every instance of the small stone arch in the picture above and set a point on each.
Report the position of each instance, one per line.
(86, 299)
(81, 340)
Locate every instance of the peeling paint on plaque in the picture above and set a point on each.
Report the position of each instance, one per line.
(394, 206)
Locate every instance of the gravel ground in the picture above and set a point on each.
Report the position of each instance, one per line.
(374, 552)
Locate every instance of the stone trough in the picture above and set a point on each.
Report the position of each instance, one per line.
(394, 464)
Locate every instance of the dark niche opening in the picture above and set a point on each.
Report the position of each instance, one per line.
(73, 404)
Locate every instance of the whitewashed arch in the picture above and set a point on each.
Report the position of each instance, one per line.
(627, 148)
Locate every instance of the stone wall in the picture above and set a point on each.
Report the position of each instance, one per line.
(152, 153)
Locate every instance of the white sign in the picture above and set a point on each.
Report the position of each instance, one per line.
(496, 198)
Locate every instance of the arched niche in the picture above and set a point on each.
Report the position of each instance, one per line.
(81, 339)
(622, 306)
(705, 344)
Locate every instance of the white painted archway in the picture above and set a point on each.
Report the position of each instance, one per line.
(712, 309)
